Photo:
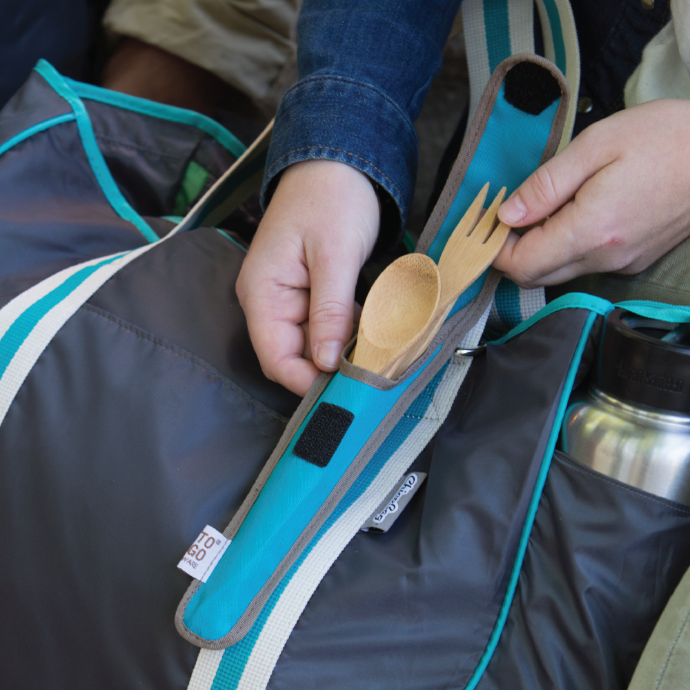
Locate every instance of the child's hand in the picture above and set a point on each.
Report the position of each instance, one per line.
(617, 198)
(318, 231)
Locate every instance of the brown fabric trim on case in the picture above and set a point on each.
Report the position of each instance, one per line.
(372, 379)
(451, 333)
(561, 116)
(476, 131)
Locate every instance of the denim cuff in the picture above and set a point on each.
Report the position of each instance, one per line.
(351, 122)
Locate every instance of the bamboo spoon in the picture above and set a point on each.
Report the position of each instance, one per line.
(399, 307)
(469, 251)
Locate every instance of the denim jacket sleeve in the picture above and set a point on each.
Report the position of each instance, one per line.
(365, 69)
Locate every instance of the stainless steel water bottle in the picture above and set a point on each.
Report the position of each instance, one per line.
(634, 422)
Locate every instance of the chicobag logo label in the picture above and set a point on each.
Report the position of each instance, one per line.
(387, 513)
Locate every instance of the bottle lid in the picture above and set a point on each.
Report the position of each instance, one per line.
(640, 361)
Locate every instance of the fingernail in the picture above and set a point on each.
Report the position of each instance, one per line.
(512, 210)
(328, 353)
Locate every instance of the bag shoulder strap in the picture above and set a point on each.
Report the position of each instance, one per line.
(497, 29)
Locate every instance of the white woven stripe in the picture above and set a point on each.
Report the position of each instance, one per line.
(531, 301)
(205, 669)
(474, 335)
(299, 590)
(477, 52)
(44, 331)
(13, 309)
(521, 20)
(572, 70)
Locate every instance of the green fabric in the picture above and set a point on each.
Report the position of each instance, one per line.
(665, 662)
(195, 177)
(409, 242)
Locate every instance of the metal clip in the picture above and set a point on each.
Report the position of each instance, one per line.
(471, 351)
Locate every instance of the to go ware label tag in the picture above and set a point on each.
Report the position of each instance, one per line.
(204, 553)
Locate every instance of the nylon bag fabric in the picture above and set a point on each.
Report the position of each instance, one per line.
(148, 414)
(514, 566)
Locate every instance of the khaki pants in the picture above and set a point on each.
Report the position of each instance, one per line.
(250, 44)
(665, 662)
(666, 280)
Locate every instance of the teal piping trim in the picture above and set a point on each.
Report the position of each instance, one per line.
(573, 300)
(234, 241)
(534, 505)
(568, 415)
(160, 110)
(657, 310)
(179, 219)
(93, 153)
(40, 127)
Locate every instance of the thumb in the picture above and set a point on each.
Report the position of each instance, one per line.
(331, 309)
(554, 183)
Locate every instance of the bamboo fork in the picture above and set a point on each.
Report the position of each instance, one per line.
(474, 244)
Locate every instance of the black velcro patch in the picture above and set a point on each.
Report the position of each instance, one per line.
(531, 87)
(323, 434)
